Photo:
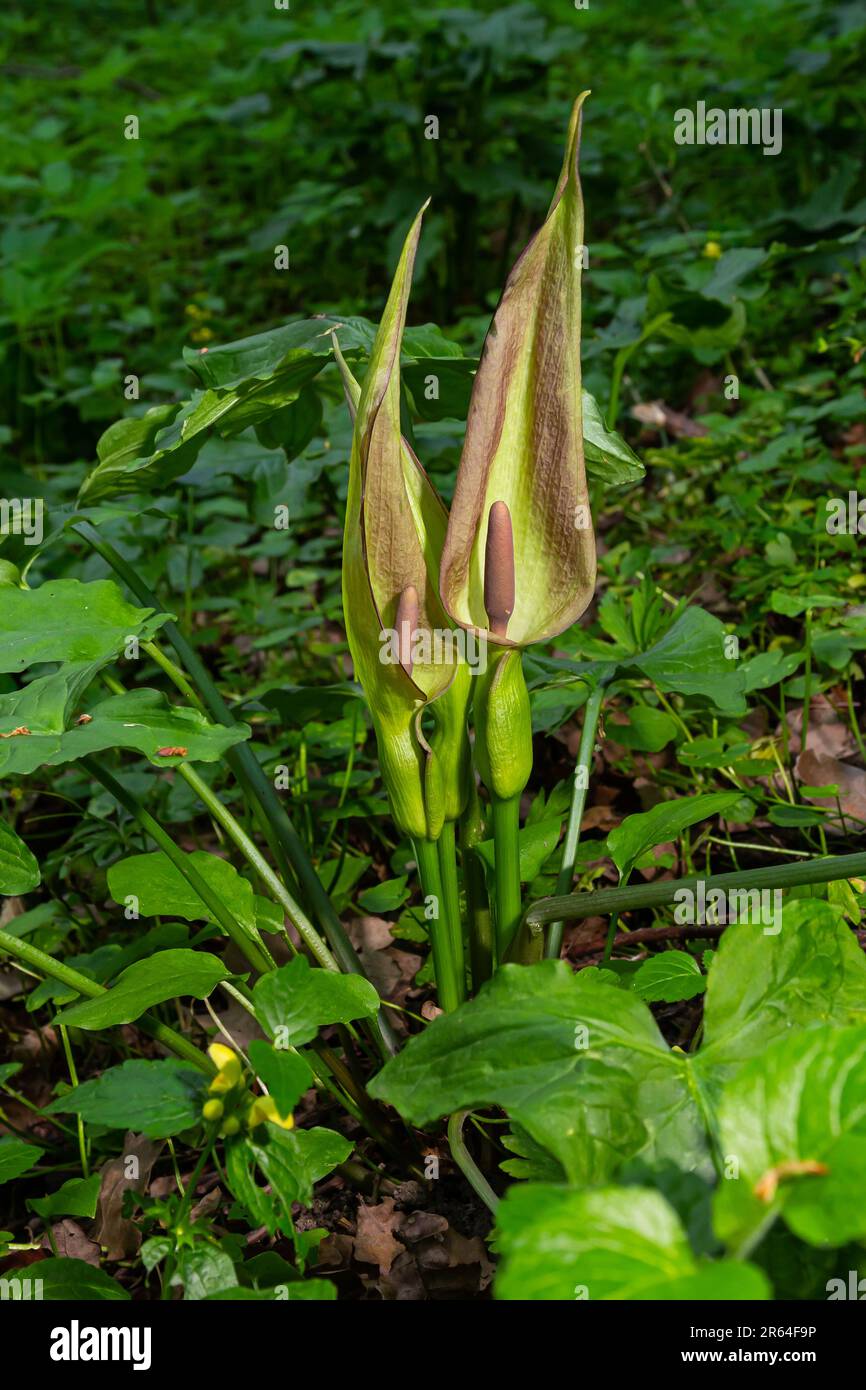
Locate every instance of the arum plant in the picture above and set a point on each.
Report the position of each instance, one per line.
(518, 565)
(416, 685)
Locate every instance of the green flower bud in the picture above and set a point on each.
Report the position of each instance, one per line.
(503, 726)
(212, 1110)
(231, 1125)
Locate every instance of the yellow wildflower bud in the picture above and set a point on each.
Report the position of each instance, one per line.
(212, 1110)
(263, 1108)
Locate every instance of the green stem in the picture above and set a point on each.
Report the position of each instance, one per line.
(440, 936)
(481, 943)
(451, 902)
(576, 906)
(73, 1077)
(255, 951)
(591, 714)
(506, 823)
(274, 819)
(278, 891)
(465, 1162)
(58, 970)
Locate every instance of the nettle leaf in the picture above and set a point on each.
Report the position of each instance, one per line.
(77, 1197)
(793, 1121)
(576, 1062)
(664, 822)
(157, 1099)
(19, 868)
(166, 975)
(142, 720)
(293, 1002)
(158, 888)
(606, 1243)
(668, 977)
(66, 620)
(16, 1157)
(68, 1280)
(286, 1074)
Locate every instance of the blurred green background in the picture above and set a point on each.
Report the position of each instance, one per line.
(305, 127)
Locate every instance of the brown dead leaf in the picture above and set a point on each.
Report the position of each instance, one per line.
(374, 1241)
(71, 1242)
(120, 1236)
(829, 735)
(816, 770)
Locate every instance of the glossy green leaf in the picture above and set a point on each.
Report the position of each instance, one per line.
(621, 1243)
(77, 1197)
(167, 975)
(536, 842)
(65, 620)
(575, 1061)
(664, 822)
(292, 1003)
(141, 720)
(668, 977)
(16, 1157)
(19, 868)
(286, 1074)
(297, 1291)
(158, 1099)
(793, 1131)
(154, 886)
(72, 1281)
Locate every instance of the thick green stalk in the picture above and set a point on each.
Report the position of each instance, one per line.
(58, 970)
(506, 847)
(466, 1163)
(223, 816)
(440, 936)
(592, 711)
(481, 936)
(451, 903)
(576, 906)
(273, 816)
(255, 951)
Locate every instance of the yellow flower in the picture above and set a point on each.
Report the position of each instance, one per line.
(263, 1108)
(228, 1067)
(712, 250)
(202, 335)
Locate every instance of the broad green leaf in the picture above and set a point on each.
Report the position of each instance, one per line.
(292, 1003)
(16, 1157)
(606, 453)
(793, 1131)
(763, 985)
(668, 976)
(65, 620)
(205, 1270)
(157, 1099)
(155, 887)
(286, 1074)
(19, 868)
(576, 1062)
(385, 897)
(167, 975)
(71, 1281)
(77, 1197)
(142, 720)
(608, 1243)
(290, 1162)
(647, 729)
(664, 822)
